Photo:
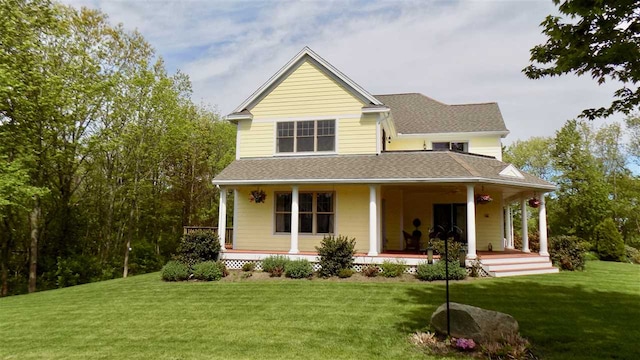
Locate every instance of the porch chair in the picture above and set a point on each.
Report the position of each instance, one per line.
(412, 241)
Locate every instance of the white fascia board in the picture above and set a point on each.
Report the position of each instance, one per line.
(306, 51)
(375, 110)
(386, 181)
(238, 117)
(455, 134)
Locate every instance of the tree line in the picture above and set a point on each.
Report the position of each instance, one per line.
(597, 189)
(103, 156)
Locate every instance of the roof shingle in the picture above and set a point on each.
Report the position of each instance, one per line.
(414, 166)
(418, 114)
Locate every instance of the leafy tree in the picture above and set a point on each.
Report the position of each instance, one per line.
(532, 155)
(609, 243)
(595, 37)
(582, 195)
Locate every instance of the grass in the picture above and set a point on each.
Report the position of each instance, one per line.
(580, 315)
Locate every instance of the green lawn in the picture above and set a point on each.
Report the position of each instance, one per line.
(583, 315)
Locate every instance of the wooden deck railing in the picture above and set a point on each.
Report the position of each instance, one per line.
(228, 238)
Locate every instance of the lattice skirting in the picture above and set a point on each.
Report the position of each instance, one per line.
(234, 264)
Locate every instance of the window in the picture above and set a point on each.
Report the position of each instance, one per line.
(455, 146)
(315, 212)
(306, 136)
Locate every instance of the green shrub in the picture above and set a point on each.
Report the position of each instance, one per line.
(275, 265)
(370, 271)
(298, 269)
(632, 254)
(143, 259)
(336, 253)
(175, 271)
(208, 271)
(591, 255)
(609, 243)
(567, 252)
(198, 246)
(393, 268)
(223, 267)
(345, 273)
(247, 267)
(437, 271)
(454, 249)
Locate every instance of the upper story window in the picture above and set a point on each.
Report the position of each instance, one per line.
(306, 136)
(455, 146)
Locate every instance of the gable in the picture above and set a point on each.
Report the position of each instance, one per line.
(511, 171)
(308, 90)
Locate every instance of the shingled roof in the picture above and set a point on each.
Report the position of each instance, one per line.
(418, 114)
(388, 167)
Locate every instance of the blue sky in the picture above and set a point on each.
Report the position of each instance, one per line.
(453, 51)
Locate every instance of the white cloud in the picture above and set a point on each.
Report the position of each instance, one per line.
(456, 52)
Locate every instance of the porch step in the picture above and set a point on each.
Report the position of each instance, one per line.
(514, 266)
(514, 259)
(533, 271)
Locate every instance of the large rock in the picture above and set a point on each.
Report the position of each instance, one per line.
(472, 322)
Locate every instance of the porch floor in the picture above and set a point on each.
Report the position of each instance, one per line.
(508, 253)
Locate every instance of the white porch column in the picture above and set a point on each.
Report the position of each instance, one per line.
(509, 226)
(373, 221)
(222, 218)
(543, 227)
(471, 223)
(525, 230)
(294, 220)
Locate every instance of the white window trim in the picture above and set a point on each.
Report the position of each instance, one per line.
(314, 213)
(305, 153)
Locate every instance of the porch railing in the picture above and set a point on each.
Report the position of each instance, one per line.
(228, 238)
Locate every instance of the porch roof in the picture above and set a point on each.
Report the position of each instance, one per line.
(387, 167)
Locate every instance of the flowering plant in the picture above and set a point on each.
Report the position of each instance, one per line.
(465, 344)
(483, 199)
(534, 203)
(257, 196)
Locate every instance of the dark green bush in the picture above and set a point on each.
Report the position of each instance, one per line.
(198, 246)
(208, 271)
(336, 253)
(298, 269)
(609, 243)
(370, 271)
(247, 267)
(454, 249)
(175, 271)
(437, 271)
(275, 265)
(345, 273)
(567, 252)
(143, 258)
(393, 268)
(76, 270)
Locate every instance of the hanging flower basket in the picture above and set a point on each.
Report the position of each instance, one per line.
(483, 199)
(534, 203)
(257, 196)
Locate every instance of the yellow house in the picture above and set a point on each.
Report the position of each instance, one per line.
(317, 154)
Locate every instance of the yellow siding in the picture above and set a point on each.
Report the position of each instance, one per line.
(489, 224)
(255, 224)
(407, 144)
(357, 136)
(256, 139)
(307, 91)
(491, 146)
(417, 203)
(392, 219)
